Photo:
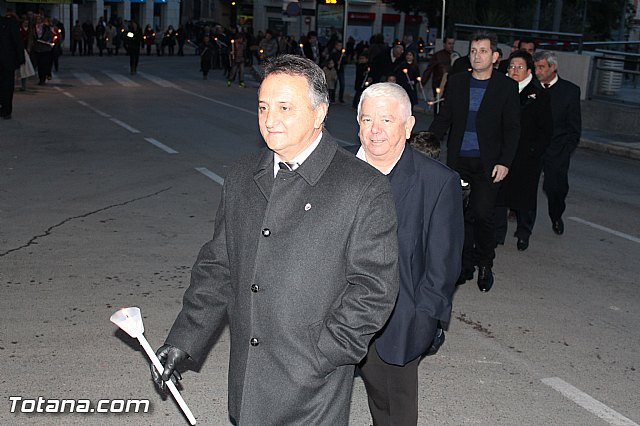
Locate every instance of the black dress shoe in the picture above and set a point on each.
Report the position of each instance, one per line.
(465, 275)
(522, 244)
(558, 226)
(485, 278)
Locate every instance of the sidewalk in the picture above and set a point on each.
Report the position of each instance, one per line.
(595, 140)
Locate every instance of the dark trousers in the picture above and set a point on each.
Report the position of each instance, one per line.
(356, 98)
(134, 58)
(525, 219)
(341, 82)
(556, 179)
(392, 390)
(479, 228)
(76, 45)
(7, 85)
(43, 63)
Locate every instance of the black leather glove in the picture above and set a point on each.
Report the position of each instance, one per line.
(438, 340)
(169, 357)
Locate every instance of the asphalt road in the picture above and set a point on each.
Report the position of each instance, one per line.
(108, 188)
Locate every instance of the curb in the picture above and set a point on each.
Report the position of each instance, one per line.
(610, 148)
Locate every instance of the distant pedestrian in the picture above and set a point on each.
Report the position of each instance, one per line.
(331, 75)
(238, 47)
(149, 37)
(206, 56)
(11, 57)
(77, 37)
(567, 126)
(43, 48)
(133, 40)
(362, 78)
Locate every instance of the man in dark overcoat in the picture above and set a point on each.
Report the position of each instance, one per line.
(11, 57)
(482, 111)
(567, 127)
(536, 124)
(430, 236)
(303, 263)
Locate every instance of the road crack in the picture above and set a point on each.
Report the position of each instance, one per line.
(49, 230)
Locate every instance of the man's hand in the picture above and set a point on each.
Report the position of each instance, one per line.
(170, 357)
(499, 173)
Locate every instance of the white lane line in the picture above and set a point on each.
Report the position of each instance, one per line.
(97, 111)
(216, 101)
(125, 125)
(86, 79)
(162, 146)
(590, 404)
(208, 173)
(68, 95)
(121, 79)
(157, 80)
(605, 229)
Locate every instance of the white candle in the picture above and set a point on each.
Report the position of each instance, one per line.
(130, 320)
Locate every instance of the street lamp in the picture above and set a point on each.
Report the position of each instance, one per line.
(444, 9)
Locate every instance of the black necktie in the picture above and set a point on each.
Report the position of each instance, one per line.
(546, 85)
(288, 165)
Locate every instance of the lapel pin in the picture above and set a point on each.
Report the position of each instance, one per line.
(307, 207)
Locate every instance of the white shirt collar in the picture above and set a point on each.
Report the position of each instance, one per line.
(554, 81)
(299, 158)
(363, 156)
(522, 84)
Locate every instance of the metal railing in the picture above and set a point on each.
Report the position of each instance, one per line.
(615, 76)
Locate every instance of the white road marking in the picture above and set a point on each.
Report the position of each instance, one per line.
(588, 403)
(162, 146)
(68, 95)
(157, 80)
(216, 101)
(208, 173)
(125, 125)
(605, 229)
(121, 79)
(86, 79)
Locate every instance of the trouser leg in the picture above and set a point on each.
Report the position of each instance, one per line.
(556, 180)
(526, 219)
(392, 390)
(7, 85)
(479, 225)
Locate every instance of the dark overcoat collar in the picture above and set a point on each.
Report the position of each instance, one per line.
(402, 178)
(311, 170)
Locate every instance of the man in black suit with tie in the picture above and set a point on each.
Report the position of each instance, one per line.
(567, 125)
(11, 57)
(482, 111)
(428, 203)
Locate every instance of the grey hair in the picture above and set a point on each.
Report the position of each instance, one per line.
(550, 57)
(303, 67)
(390, 90)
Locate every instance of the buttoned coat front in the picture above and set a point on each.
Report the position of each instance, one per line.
(305, 268)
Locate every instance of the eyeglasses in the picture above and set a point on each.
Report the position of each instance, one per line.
(516, 67)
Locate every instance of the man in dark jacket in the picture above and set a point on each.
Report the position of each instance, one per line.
(520, 188)
(430, 236)
(482, 110)
(386, 63)
(303, 264)
(567, 126)
(11, 57)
